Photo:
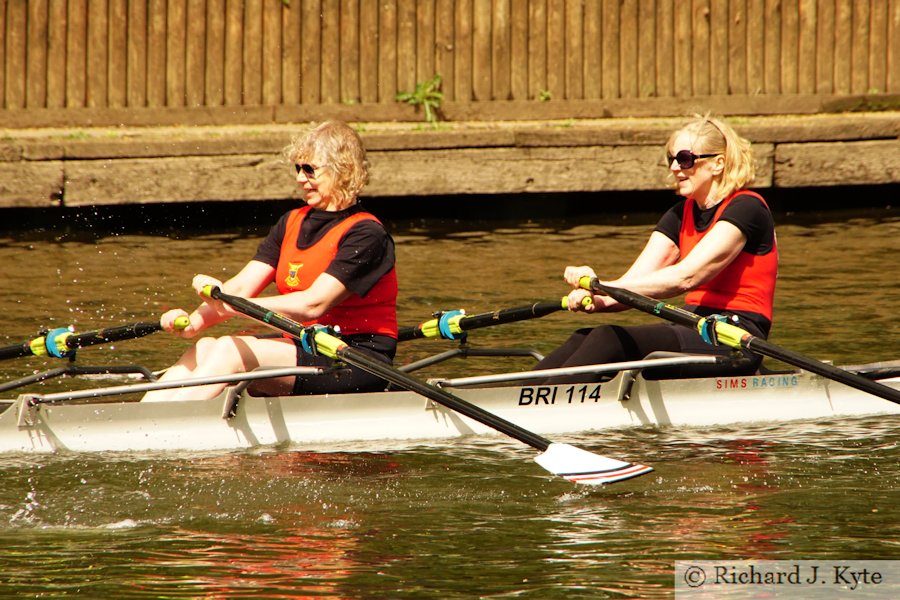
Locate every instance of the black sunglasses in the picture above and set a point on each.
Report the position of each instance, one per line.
(686, 158)
(308, 170)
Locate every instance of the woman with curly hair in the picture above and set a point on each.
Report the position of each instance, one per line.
(332, 263)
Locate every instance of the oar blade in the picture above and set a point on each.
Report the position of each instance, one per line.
(587, 468)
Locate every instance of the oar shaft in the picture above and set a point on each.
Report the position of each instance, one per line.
(112, 334)
(566, 461)
(63, 341)
(374, 366)
(761, 346)
(738, 338)
(497, 317)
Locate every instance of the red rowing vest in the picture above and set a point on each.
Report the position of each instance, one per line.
(748, 283)
(376, 312)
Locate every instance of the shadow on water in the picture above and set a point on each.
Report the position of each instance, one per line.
(432, 216)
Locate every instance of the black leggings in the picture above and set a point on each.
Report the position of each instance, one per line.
(615, 343)
(344, 380)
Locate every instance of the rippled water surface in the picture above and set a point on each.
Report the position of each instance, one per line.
(475, 518)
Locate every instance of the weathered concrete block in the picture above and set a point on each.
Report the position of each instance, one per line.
(837, 163)
(27, 184)
(178, 179)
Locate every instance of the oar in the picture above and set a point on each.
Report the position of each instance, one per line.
(61, 342)
(735, 337)
(569, 462)
(451, 323)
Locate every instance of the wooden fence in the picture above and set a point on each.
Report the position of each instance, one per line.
(95, 57)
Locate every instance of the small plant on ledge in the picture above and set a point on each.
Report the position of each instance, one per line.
(428, 95)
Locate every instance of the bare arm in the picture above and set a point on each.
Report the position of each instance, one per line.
(708, 258)
(658, 273)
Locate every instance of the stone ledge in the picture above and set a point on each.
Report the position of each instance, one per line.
(53, 167)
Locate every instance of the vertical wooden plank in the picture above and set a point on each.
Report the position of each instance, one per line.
(701, 84)
(16, 54)
(387, 52)
(234, 52)
(737, 48)
(36, 59)
(251, 66)
(843, 36)
(893, 73)
(57, 23)
(859, 48)
(537, 48)
(719, 48)
(156, 53)
(175, 45)
(665, 49)
(310, 38)
(331, 61)
(628, 48)
(118, 53)
(790, 42)
(806, 47)
(136, 70)
(2, 54)
(271, 51)
(406, 45)
(368, 51)
(290, 54)
(574, 49)
(611, 62)
(424, 31)
(518, 51)
(825, 47)
(878, 47)
(683, 53)
(756, 42)
(350, 52)
(481, 51)
(76, 54)
(593, 49)
(647, 23)
(97, 54)
(501, 87)
(445, 51)
(214, 76)
(462, 64)
(556, 43)
(195, 54)
(773, 47)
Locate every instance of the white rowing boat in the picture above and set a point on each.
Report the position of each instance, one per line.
(515, 404)
(110, 419)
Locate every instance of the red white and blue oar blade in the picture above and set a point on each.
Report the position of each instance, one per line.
(587, 468)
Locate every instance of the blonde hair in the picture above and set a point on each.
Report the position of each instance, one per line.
(714, 136)
(340, 149)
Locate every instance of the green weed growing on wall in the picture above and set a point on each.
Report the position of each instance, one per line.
(428, 95)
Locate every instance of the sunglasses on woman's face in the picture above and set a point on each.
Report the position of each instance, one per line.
(686, 158)
(308, 170)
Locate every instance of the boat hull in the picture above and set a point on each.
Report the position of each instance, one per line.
(401, 419)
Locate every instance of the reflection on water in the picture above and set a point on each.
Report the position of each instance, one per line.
(474, 519)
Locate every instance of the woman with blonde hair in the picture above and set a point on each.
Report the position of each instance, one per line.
(717, 246)
(332, 263)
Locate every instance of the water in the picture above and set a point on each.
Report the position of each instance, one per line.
(476, 518)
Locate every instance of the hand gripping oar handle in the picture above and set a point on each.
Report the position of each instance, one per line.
(566, 461)
(62, 342)
(735, 337)
(456, 322)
